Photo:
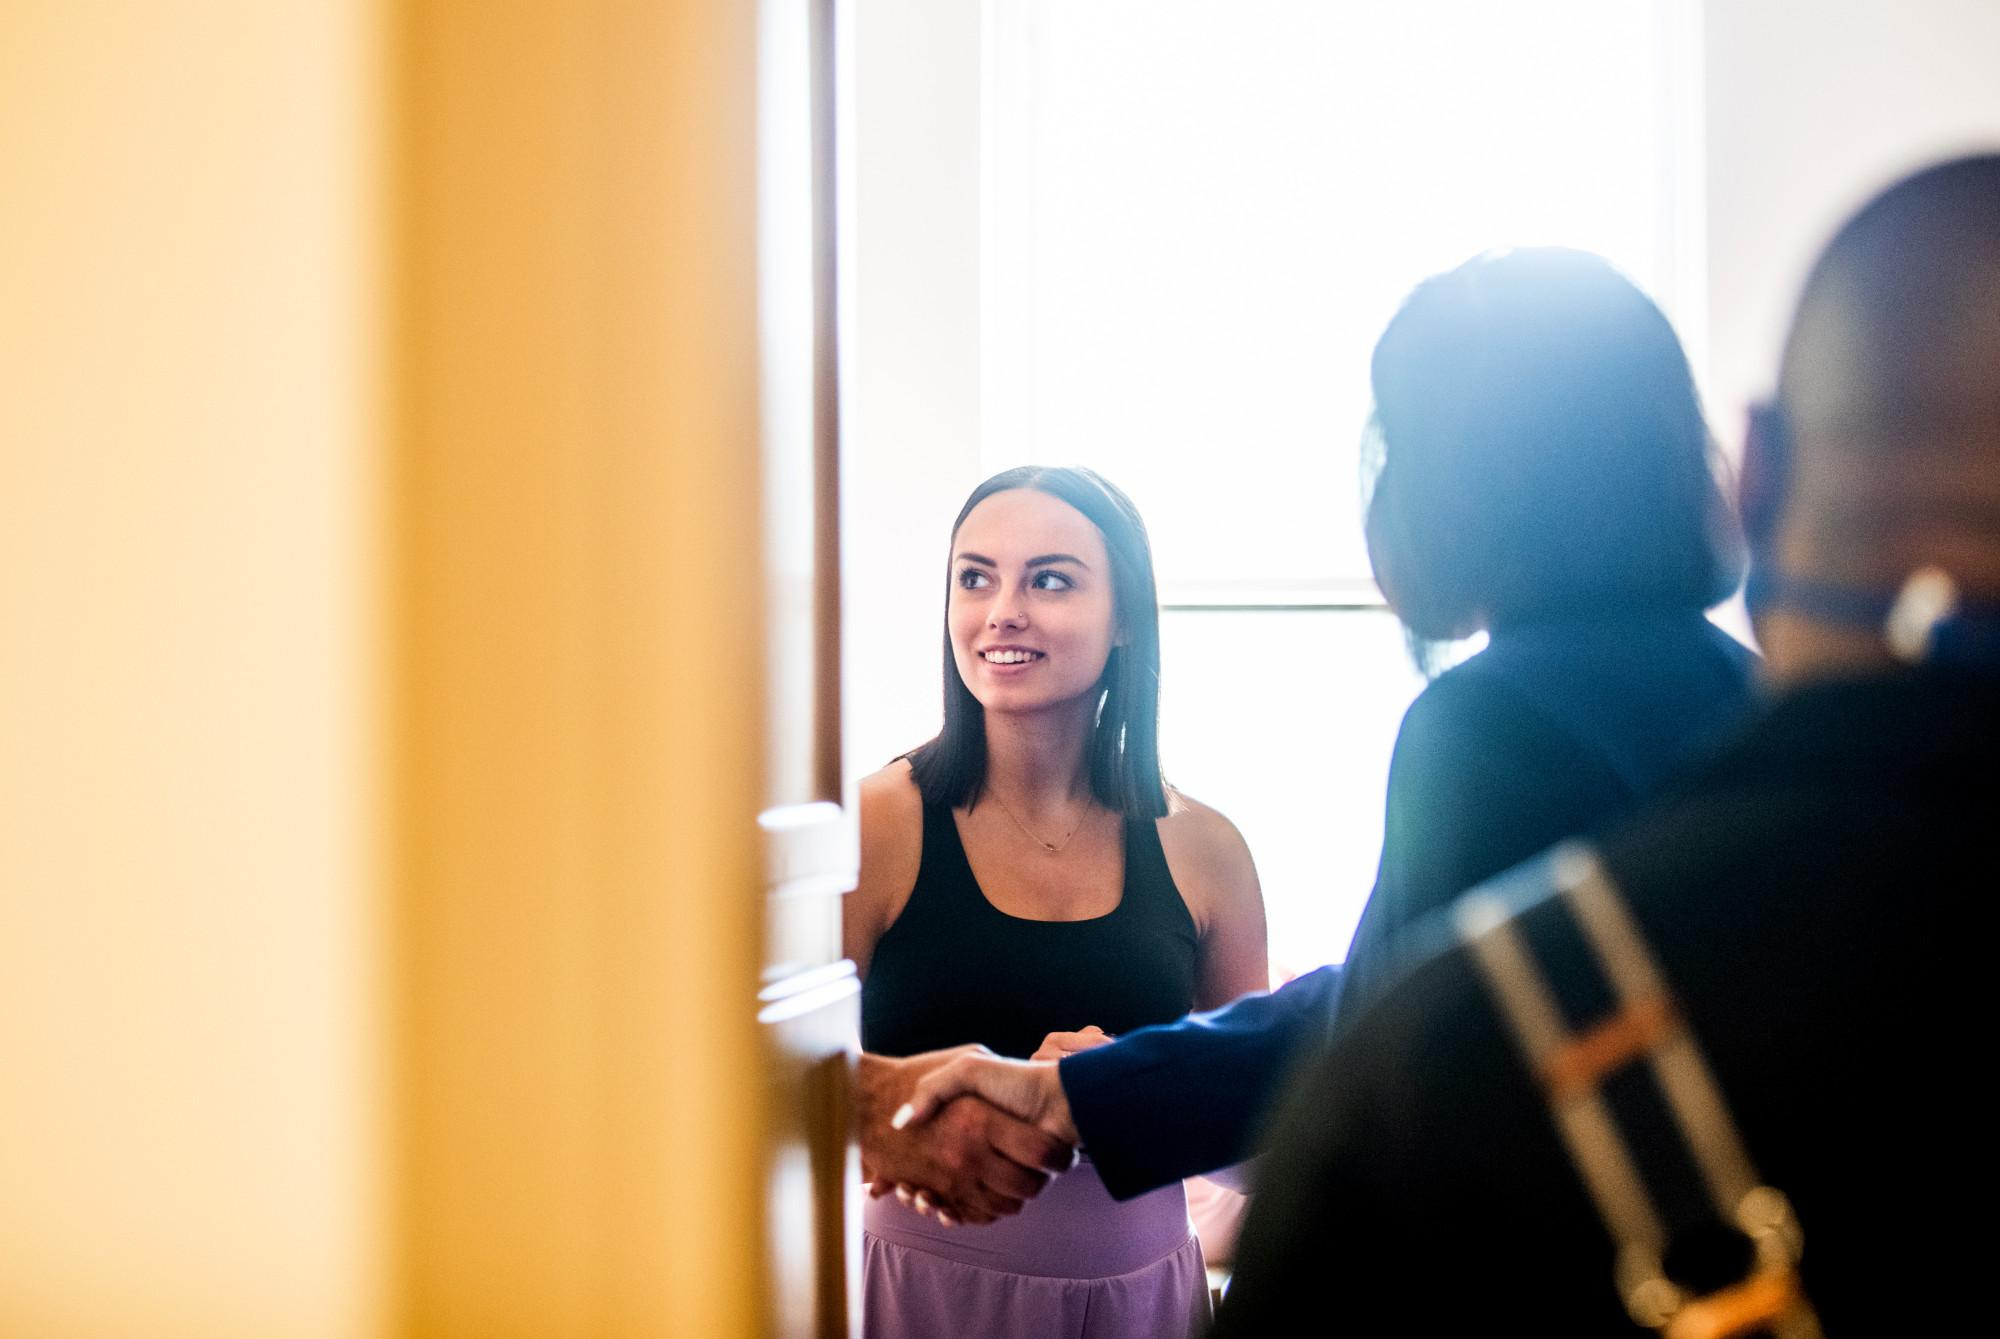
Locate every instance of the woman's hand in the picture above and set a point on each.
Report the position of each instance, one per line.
(1059, 1044)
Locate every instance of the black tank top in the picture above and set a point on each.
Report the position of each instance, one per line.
(954, 968)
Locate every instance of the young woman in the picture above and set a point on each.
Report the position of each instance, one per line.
(1029, 882)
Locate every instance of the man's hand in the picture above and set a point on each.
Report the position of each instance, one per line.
(1030, 1089)
(971, 1164)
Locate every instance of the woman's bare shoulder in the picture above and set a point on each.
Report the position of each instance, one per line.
(1200, 833)
(891, 792)
(898, 775)
(1210, 864)
(892, 825)
(892, 847)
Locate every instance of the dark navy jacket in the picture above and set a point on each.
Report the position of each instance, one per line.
(1552, 731)
(1819, 899)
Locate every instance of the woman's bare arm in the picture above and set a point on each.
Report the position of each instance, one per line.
(892, 843)
(1211, 866)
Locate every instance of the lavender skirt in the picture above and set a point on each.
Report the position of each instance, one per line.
(1074, 1264)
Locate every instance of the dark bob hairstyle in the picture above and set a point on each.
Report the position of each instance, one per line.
(1124, 747)
(1540, 453)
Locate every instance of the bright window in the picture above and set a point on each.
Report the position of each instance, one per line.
(1197, 219)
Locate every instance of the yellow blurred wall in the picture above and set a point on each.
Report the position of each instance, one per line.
(190, 957)
(578, 653)
(379, 669)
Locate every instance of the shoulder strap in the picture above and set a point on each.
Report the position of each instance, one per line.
(945, 881)
(1571, 1066)
(1150, 889)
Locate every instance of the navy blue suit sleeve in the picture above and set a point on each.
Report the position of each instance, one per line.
(1183, 1098)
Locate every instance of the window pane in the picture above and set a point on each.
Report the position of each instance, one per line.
(1199, 216)
(1284, 721)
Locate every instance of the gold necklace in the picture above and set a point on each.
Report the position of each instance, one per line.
(1052, 848)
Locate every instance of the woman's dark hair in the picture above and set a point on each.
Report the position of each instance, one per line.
(1539, 453)
(1124, 746)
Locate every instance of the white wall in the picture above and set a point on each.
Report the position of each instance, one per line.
(911, 417)
(1812, 105)
(1809, 105)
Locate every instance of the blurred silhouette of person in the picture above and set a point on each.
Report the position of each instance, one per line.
(1711, 1076)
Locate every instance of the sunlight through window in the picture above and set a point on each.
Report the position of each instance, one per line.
(1197, 219)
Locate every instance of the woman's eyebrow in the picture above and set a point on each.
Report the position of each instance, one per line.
(1040, 560)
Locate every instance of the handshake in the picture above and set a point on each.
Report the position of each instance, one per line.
(963, 1134)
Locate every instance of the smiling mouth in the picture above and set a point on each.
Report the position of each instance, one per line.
(1010, 657)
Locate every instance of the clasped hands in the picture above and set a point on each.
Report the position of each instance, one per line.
(964, 1134)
